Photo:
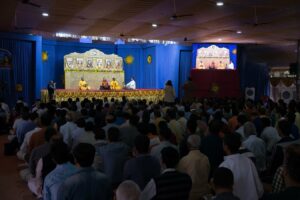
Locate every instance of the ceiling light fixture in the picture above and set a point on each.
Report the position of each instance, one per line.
(239, 32)
(154, 25)
(220, 3)
(44, 14)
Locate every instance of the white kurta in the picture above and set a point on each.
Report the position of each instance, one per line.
(131, 85)
(247, 185)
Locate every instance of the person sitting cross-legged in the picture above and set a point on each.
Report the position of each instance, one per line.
(196, 164)
(171, 184)
(112, 157)
(144, 166)
(60, 154)
(291, 175)
(86, 183)
(223, 184)
(128, 190)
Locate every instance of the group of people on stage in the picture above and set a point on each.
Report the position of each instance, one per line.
(105, 85)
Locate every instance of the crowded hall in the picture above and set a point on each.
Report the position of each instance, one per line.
(150, 100)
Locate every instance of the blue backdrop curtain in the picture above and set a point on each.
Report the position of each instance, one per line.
(185, 66)
(252, 74)
(22, 71)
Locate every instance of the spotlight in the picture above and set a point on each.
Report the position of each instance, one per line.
(154, 25)
(44, 14)
(239, 32)
(220, 39)
(220, 3)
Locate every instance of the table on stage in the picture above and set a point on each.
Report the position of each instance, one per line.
(154, 95)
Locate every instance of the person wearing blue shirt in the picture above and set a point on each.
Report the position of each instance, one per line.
(60, 154)
(86, 183)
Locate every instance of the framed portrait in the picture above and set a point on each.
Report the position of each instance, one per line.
(99, 63)
(79, 62)
(70, 63)
(89, 63)
(108, 63)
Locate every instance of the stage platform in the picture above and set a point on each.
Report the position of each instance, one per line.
(154, 95)
(216, 83)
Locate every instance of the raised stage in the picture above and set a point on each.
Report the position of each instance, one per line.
(215, 83)
(154, 95)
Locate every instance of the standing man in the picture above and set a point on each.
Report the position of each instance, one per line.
(51, 88)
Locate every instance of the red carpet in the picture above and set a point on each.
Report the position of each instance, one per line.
(11, 185)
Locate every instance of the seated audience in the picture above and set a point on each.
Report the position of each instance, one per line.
(247, 185)
(171, 184)
(26, 124)
(165, 136)
(143, 166)
(152, 135)
(174, 125)
(197, 166)
(113, 157)
(291, 117)
(100, 137)
(242, 119)
(130, 131)
(255, 145)
(223, 184)
(269, 134)
(291, 175)
(67, 129)
(86, 183)
(128, 190)
(38, 138)
(34, 173)
(60, 154)
(87, 136)
(190, 130)
(110, 120)
(212, 145)
(284, 130)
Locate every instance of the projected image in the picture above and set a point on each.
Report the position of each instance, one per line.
(214, 56)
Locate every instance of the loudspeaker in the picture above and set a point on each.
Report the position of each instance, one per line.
(287, 95)
(250, 93)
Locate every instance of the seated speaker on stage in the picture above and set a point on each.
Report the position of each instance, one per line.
(83, 84)
(114, 85)
(131, 85)
(104, 85)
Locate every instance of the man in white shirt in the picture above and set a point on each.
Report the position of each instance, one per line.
(24, 147)
(131, 85)
(256, 145)
(247, 185)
